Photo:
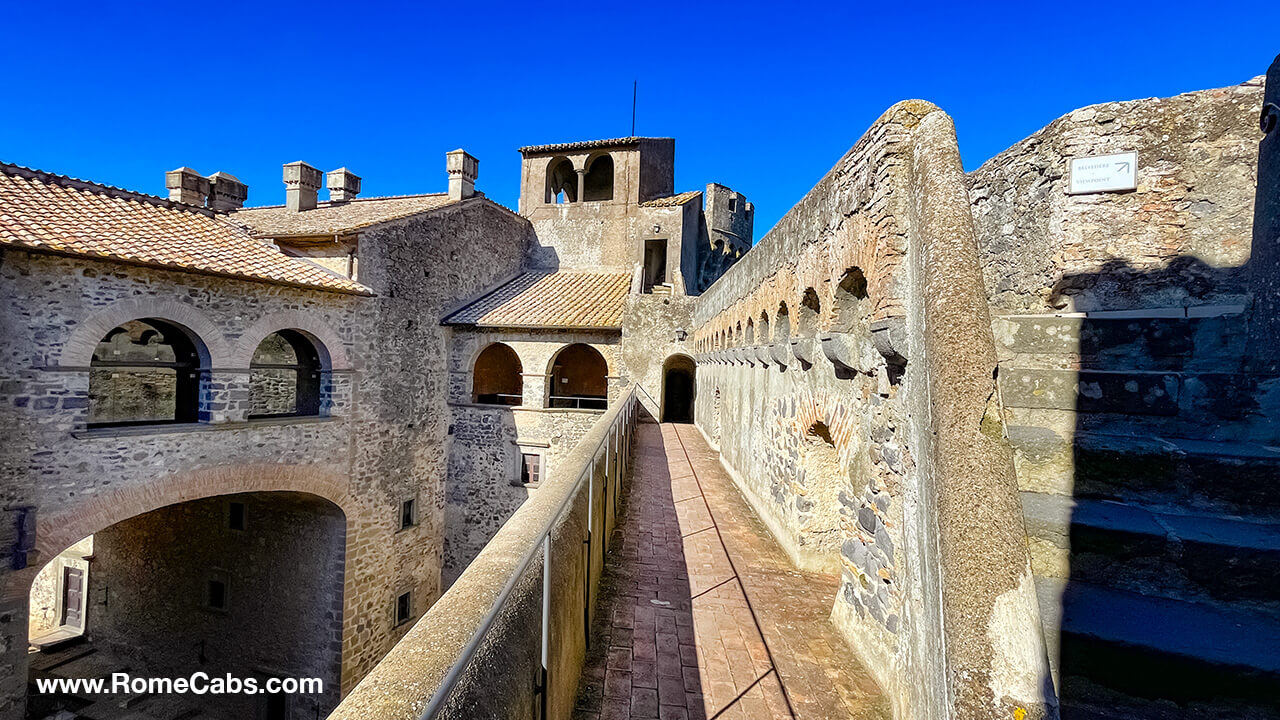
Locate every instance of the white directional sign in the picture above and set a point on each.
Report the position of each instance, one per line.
(1104, 173)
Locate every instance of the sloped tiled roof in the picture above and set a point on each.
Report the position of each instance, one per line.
(672, 200)
(334, 218)
(54, 213)
(585, 145)
(567, 299)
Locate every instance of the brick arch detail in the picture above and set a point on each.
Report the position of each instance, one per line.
(78, 349)
(56, 531)
(247, 344)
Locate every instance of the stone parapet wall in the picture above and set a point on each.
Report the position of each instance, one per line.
(501, 678)
(878, 360)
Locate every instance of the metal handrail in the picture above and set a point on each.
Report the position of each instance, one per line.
(626, 411)
(578, 402)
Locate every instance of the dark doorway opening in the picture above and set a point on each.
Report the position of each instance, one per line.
(678, 384)
(655, 264)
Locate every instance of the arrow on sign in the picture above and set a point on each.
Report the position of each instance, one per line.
(1124, 166)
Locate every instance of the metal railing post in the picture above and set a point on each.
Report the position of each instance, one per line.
(546, 621)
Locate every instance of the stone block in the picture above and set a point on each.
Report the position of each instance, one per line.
(781, 354)
(1091, 391)
(804, 349)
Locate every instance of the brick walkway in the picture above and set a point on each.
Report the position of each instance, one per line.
(702, 616)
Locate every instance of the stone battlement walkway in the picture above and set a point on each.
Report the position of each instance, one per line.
(701, 613)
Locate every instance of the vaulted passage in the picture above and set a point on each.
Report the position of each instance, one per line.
(248, 584)
(704, 615)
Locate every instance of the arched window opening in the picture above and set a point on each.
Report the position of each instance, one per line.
(285, 376)
(562, 182)
(751, 332)
(145, 372)
(764, 327)
(737, 335)
(496, 378)
(598, 182)
(678, 378)
(579, 379)
(782, 324)
(850, 293)
(809, 314)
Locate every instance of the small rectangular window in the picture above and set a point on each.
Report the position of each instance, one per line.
(407, 518)
(530, 468)
(235, 515)
(216, 594)
(404, 608)
(733, 204)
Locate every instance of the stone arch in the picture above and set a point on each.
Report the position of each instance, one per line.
(91, 515)
(597, 183)
(147, 371)
(333, 353)
(497, 375)
(750, 332)
(763, 331)
(848, 305)
(578, 376)
(77, 351)
(561, 177)
(59, 529)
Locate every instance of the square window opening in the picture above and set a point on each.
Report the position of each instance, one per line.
(408, 514)
(216, 594)
(530, 468)
(404, 608)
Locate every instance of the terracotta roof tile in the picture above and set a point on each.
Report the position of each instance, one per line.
(672, 200)
(567, 299)
(54, 213)
(585, 145)
(334, 218)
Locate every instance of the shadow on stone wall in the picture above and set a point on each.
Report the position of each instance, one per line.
(1159, 528)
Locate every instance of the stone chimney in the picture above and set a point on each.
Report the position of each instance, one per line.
(463, 169)
(228, 193)
(301, 185)
(187, 186)
(343, 185)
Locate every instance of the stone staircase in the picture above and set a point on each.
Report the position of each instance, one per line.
(1150, 479)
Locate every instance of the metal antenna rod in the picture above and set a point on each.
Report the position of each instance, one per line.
(634, 83)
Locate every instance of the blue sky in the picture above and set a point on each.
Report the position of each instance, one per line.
(761, 97)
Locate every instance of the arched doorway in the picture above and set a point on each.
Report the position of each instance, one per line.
(678, 386)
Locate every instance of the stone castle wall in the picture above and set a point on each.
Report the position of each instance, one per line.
(1127, 322)
(876, 268)
(384, 439)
